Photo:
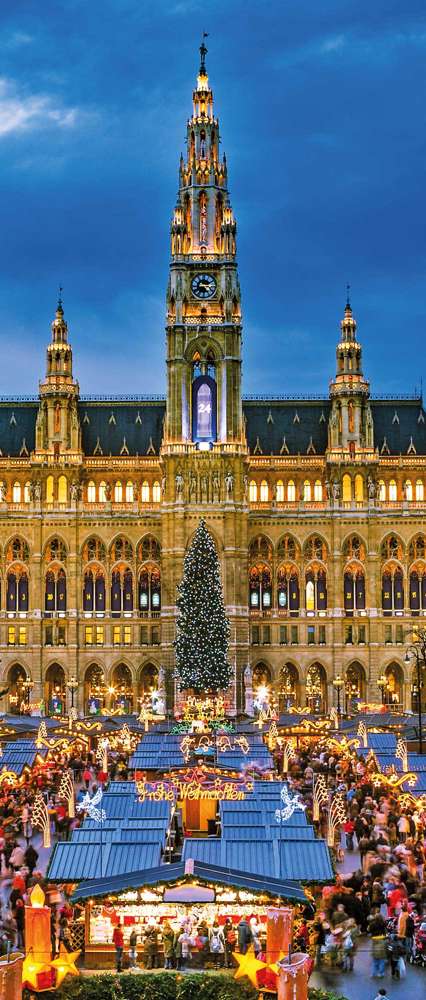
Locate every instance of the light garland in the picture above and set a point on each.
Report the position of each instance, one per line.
(288, 753)
(40, 818)
(66, 791)
(336, 816)
(320, 795)
(41, 734)
(402, 753)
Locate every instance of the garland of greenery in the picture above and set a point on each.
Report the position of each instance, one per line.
(163, 986)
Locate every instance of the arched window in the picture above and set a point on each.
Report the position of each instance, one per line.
(419, 490)
(118, 492)
(392, 693)
(129, 492)
(279, 491)
(94, 689)
(318, 490)
(121, 592)
(17, 591)
(55, 690)
(260, 588)
(354, 548)
(253, 491)
(382, 491)
(55, 597)
(391, 548)
(156, 492)
(94, 549)
(260, 547)
(315, 548)
(286, 548)
(204, 404)
(291, 491)
(288, 692)
(315, 590)
(149, 548)
(49, 489)
(355, 687)
(149, 589)
(55, 551)
(359, 488)
(121, 549)
(17, 551)
(91, 492)
(307, 491)
(145, 492)
(94, 591)
(27, 492)
(346, 488)
(393, 495)
(264, 491)
(392, 591)
(62, 489)
(354, 590)
(16, 493)
(408, 490)
(102, 492)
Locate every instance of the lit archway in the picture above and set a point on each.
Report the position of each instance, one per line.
(288, 690)
(316, 689)
(55, 690)
(393, 692)
(355, 686)
(121, 689)
(94, 690)
(17, 694)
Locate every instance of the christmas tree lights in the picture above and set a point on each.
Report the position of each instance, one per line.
(202, 628)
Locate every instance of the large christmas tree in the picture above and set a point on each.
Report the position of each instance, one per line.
(202, 629)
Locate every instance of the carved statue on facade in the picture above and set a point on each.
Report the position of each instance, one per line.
(76, 491)
(372, 488)
(204, 488)
(179, 486)
(2, 493)
(163, 486)
(336, 490)
(216, 486)
(108, 491)
(229, 484)
(192, 486)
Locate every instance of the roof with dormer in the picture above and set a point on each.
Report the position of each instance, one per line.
(133, 425)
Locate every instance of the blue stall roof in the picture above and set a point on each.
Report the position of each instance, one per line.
(73, 862)
(168, 874)
(307, 860)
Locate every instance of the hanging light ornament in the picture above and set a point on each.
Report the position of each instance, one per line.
(40, 818)
(66, 791)
(336, 816)
(320, 795)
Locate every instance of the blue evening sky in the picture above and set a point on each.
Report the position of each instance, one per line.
(322, 109)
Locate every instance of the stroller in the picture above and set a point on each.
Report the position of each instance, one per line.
(418, 956)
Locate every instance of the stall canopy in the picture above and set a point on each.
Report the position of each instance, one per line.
(196, 872)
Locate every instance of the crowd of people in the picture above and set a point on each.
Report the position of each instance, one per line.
(190, 944)
(384, 895)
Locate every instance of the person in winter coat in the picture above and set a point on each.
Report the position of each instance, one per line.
(151, 947)
(16, 859)
(118, 942)
(185, 942)
(216, 944)
(31, 858)
(244, 936)
(133, 950)
(230, 936)
(168, 945)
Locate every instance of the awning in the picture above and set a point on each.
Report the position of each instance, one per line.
(167, 874)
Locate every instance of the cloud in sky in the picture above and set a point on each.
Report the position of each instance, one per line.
(322, 119)
(19, 112)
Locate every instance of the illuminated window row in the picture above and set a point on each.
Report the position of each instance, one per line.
(121, 492)
(282, 492)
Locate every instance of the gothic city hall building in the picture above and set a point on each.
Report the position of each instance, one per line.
(316, 505)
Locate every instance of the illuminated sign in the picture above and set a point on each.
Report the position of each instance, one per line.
(194, 785)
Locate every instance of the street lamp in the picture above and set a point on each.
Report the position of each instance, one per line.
(382, 684)
(338, 684)
(417, 652)
(72, 686)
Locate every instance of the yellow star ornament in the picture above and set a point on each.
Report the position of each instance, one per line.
(248, 965)
(65, 964)
(31, 969)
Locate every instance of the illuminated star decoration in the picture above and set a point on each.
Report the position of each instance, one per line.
(90, 806)
(65, 964)
(248, 965)
(31, 969)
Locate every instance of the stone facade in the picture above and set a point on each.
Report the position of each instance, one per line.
(316, 505)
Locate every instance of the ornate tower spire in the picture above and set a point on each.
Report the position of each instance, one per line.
(203, 299)
(350, 425)
(57, 427)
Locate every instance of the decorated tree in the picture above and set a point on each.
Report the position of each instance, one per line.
(202, 629)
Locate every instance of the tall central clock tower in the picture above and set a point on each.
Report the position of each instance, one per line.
(203, 297)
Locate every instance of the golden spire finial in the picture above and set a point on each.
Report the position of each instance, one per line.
(203, 53)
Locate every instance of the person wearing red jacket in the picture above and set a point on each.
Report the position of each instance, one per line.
(118, 942)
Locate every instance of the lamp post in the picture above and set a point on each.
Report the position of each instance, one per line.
(338, 684)
(72, 686)
(382, 683)
(417, 652)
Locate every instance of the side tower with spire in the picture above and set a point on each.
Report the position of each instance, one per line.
(203, 297)
(350, 434)
(57, 429)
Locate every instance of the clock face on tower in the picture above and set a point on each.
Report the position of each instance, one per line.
(203, 286)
